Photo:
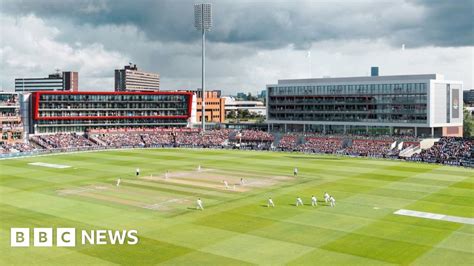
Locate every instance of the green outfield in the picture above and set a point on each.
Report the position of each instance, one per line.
(236, 227)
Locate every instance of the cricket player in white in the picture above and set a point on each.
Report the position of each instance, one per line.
(199, 168)
(270, 203)
(118, 182)
(295, 172)
(138, 171)
(299, 202)
(314, 201)
(199, 204)
(226, 184)
(332, 201)
(166, 174)
(242, 182)
(326, 197)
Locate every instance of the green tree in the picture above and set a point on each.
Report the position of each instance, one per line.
(231, 115)
(468, 124)
(250, 97)
(245, 113)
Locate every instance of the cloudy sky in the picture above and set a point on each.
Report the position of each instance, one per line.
(252, 43)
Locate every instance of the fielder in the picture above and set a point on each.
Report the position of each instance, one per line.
(326, 197)
(295, 172)
(199, 204)
(270, 203)
(314, 201)
(226, 184)
(138, 171)
(299, 202)
(199, 168)
(242, 182)
(332, 201)
(118, 182)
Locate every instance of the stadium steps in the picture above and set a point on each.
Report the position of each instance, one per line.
(428, 143)
(409, 151)
(232, 135)
(276, 138)
(346, 143)
(34, 144)
(96, 140)
(80, 137)
(300, 140)
(38, 141)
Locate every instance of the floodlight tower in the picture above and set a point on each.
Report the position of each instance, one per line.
(203, 22)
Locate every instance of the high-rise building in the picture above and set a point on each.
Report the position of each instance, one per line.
(65, 81)
(130, 79)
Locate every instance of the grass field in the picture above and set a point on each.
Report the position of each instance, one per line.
(236, 227)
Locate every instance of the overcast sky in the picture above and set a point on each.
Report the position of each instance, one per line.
(252, 43)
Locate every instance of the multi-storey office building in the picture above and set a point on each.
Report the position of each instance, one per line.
(215, 106)
(77, 112)
(130, 79)
(421, 105)
(65, 81)
(11, 128)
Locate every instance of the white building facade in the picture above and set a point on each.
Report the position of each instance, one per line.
(416, 105)
(255, 107)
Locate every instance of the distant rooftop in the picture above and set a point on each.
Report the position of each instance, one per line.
(361, 79)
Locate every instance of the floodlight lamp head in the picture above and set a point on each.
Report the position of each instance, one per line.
(203, 16)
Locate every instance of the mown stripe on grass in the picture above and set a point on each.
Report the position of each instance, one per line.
(204, 258)
(327, 257)
(466, 184)
(234, 222)
(121, 254)
(382, 249)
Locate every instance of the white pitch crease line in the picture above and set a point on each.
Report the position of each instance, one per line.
(50, 165)
(435, 216)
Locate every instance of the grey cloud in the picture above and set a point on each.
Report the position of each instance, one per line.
(275, 24)
(252, 43)
(448, 23)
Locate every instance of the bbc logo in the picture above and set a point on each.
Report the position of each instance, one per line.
(42, 237)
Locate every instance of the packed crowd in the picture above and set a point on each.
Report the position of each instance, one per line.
(288, 142)
(150, 140)
(455, 151)
(62, 141)
(16, 147)
(117, 140)
(255, 136)
(370, 148)
(448, 151)
(212, 138)
(315, 144)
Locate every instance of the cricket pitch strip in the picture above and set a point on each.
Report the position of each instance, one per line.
(219, 180)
